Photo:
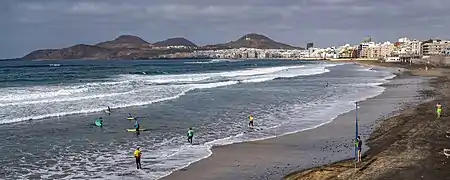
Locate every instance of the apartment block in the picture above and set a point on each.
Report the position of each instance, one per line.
(405, 46)
(436, 47)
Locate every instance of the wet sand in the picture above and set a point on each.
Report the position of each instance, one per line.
(276, 157)
(407, 146)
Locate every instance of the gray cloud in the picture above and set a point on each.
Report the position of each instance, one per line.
(34, 24)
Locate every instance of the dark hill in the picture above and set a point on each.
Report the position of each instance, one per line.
(254, 41)
(178, 41)
(80, 51)
(125, 41)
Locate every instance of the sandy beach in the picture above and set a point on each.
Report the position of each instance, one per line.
(407, 146)
(274, 158)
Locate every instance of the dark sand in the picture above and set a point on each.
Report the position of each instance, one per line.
(407, 146)
(274, 158)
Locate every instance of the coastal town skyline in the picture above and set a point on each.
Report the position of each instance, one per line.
(31, 25)
(249, 46)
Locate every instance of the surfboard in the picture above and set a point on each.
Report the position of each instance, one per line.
(106, 111)
(130, 119)
(134, 130)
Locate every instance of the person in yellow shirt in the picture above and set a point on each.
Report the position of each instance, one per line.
(137, 155)
(250, 124)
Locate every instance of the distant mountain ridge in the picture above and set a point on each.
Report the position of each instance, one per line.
(254, 40)
(125, 41)
(80, 51)
(133, 47)
(178, 41)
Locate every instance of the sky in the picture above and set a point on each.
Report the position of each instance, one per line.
(27, 25)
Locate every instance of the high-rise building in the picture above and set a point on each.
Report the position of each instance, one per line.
(309, 45)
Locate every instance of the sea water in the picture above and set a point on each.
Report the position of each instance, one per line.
(47, 111)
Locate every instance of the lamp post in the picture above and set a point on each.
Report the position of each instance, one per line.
(356, 130)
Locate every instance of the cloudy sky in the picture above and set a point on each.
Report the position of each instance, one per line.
(27, 25)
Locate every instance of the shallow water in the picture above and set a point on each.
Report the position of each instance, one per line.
(213, 97)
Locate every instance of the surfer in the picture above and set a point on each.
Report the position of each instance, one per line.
(358, 145)
(109, 109)
(136, 126)
(190, 135)
(250, 124)
(137, 155)
(99, 122)
(326, 85)
(130, 117)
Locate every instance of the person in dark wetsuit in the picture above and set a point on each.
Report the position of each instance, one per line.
(358, 145)
(137, 126)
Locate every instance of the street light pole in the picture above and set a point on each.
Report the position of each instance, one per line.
(356, 130)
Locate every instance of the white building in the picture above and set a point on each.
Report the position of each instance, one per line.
(392, 59)
(408, 46)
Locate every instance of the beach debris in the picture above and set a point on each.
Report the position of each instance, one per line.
(447, 152)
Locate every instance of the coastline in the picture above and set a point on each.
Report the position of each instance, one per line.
(406, 146)
(273, 158)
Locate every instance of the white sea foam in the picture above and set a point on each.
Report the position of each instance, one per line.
(308, 115)
(172, 154)
(26, 103)
(214, 61)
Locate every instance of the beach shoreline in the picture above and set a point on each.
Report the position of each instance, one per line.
(273, 158)
(406, 146)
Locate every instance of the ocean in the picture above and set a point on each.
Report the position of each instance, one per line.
(47, 110)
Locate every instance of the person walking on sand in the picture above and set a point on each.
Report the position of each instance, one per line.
(137, 155)
(438, 110)
(358, 145)
(190, 135)
(250, 123)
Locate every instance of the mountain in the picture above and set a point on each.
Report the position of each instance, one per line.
(178, 41)
(253, 41)
(125, 41)
(123, 47)
(80, 51)
(133, 47)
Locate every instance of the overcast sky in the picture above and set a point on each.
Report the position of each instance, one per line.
(27, 25)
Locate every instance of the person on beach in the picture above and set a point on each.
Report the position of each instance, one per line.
(358, 145)
(438, 110)
(190, 135)
(250, 123)
(137, 155)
